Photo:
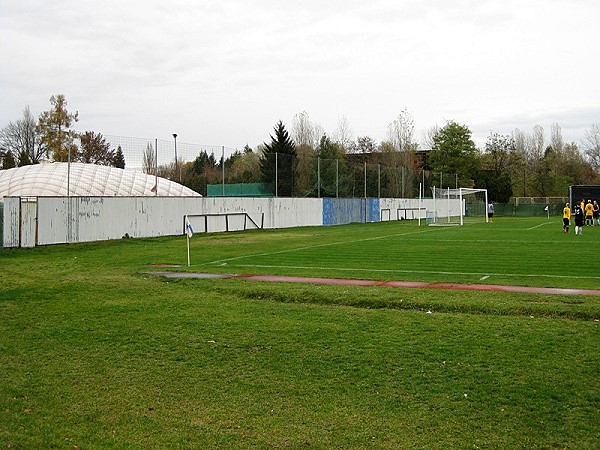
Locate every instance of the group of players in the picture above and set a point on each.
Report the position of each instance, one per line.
(583, 213)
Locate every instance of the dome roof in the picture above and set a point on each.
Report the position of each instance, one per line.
(86, 180)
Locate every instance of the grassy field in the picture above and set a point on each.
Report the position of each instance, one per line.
(94, 353)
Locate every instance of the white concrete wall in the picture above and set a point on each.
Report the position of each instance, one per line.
(84, 219)
(11, 237)
(58, 220)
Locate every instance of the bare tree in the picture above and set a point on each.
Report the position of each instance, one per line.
(519, 174)
(149, 160)
(318, 133)
(343, 134)
(303, 131)
(19, 141)
(537, 144)
(592, 145)
(401, 131)
(556, 140)
(428, 135)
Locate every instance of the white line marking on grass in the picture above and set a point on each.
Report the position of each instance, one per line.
(420, 272)
(540, 225)
(484, 278)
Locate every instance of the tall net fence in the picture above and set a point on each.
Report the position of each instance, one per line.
(199, 166)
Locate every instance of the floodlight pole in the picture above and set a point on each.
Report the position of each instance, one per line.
(175, 138)
(156, 167)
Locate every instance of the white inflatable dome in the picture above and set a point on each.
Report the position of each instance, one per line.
(86, 180)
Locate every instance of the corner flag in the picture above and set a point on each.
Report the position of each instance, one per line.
(188, 228)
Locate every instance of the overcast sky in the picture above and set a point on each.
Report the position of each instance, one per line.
(224, 72)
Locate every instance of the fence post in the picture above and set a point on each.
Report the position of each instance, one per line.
(365, 168)
(337, 178)
(318, 177)
(378, 180)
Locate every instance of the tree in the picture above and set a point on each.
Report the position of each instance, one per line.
(19, 143)
(428, 135)
(245, 168)
(454, 152)
(95, 149)
(495, 175)
(200, 172)
(54, 127)
(364, 145)
(519, 170)
(575, 167)
(306, 137)
(149, 160)
(334, 180)
(277, 162)
(592, 145)
(8, 160)
(119, 160)
(401, 131)
(303, 131)
(343, 133)
(399, 156)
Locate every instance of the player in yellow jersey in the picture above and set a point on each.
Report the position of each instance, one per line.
(589, 213)
(566, 218)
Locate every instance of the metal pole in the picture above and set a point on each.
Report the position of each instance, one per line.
(421, 202)
(69, 205)
(276, 190)
(379, 180)
(68, 172)
(318, 177)
(365, 167)
(223, 168)
(156, 167)
(337, 178)
(175, 137)
(402, 172)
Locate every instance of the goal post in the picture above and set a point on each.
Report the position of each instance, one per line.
(458, 206)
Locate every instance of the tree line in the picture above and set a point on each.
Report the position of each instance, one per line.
(51, 137)
(306, 161)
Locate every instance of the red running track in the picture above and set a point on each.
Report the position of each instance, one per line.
(394, 284)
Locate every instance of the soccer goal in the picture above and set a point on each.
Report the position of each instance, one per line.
(458, 206)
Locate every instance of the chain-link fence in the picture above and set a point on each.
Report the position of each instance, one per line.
(531, 207)
(200, 166)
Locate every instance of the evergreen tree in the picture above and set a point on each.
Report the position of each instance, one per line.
(119, 160)
(334, 179)
(277, 162)
(8, 161)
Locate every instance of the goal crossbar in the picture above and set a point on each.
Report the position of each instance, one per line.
(450, 206)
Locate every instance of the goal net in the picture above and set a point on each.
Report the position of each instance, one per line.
(458, 206)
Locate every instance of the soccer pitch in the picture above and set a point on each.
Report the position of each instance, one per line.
(95, 353)
(528, 252)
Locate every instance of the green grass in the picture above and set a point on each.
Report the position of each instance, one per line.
(96, 354)
(529, 252)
